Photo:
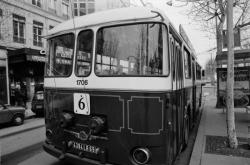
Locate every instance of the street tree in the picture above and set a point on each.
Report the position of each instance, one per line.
(212, 14)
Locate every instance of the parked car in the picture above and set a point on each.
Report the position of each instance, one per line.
(37, 105)
(11, 114)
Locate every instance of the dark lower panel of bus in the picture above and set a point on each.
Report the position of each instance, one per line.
(101, 127)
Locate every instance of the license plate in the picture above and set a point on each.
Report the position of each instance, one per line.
(38, 106)
(86, 147)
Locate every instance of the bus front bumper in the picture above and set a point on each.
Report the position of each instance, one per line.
(68, 156)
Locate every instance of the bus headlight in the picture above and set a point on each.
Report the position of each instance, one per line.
(141, 155)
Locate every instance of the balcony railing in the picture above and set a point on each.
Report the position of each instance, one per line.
(19, 39)
(38, 43)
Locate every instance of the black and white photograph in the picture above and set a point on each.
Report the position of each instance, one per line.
(124, 82)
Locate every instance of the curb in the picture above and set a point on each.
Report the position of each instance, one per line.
(199, 144)
(29, 117)
(21, 131)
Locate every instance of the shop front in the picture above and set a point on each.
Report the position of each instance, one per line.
(26, 70)
(4, 92)
(241, 78)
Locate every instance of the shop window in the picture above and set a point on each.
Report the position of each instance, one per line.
(37, 33)
(37, 3)
(18, 29)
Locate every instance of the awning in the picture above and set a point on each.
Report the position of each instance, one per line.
(238, 54)
(25, 55)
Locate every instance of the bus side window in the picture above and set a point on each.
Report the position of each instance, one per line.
(173, 60)
(187, 64)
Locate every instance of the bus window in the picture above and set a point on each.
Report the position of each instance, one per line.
(60, 58)
(187, 64)
(84, 53)
(198, 72)
(131, 50)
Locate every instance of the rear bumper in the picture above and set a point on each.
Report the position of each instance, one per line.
(67, 156)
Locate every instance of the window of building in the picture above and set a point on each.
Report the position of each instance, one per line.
(52, 4)
(75, 9)
(83, 7)
(91, 8)
(0, 32)
(1, 12)
(37, 33)
(65, 8)
(18, 29)
(36, 2)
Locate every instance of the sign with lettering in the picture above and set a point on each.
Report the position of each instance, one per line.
(36, 58)
(241, 79)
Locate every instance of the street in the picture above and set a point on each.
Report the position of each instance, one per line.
(25, 147)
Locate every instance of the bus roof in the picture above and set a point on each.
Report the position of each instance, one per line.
(108, 16)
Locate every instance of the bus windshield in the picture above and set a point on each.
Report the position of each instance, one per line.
(130, 50)
(60, 60)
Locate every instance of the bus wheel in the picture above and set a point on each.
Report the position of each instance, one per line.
(186, 132)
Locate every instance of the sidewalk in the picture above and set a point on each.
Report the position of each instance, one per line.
(213, 123)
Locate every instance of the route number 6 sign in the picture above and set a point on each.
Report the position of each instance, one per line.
(82, 103)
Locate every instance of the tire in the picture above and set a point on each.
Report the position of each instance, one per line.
(18, 119)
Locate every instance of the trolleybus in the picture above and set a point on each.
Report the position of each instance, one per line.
(121, 86)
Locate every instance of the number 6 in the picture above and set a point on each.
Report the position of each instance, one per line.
(81, 104)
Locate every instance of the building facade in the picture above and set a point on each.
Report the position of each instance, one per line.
(83, 7)
(23, 23)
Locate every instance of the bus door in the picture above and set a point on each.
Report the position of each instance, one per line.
(176, 85)
(179, 96)
(171, 145)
